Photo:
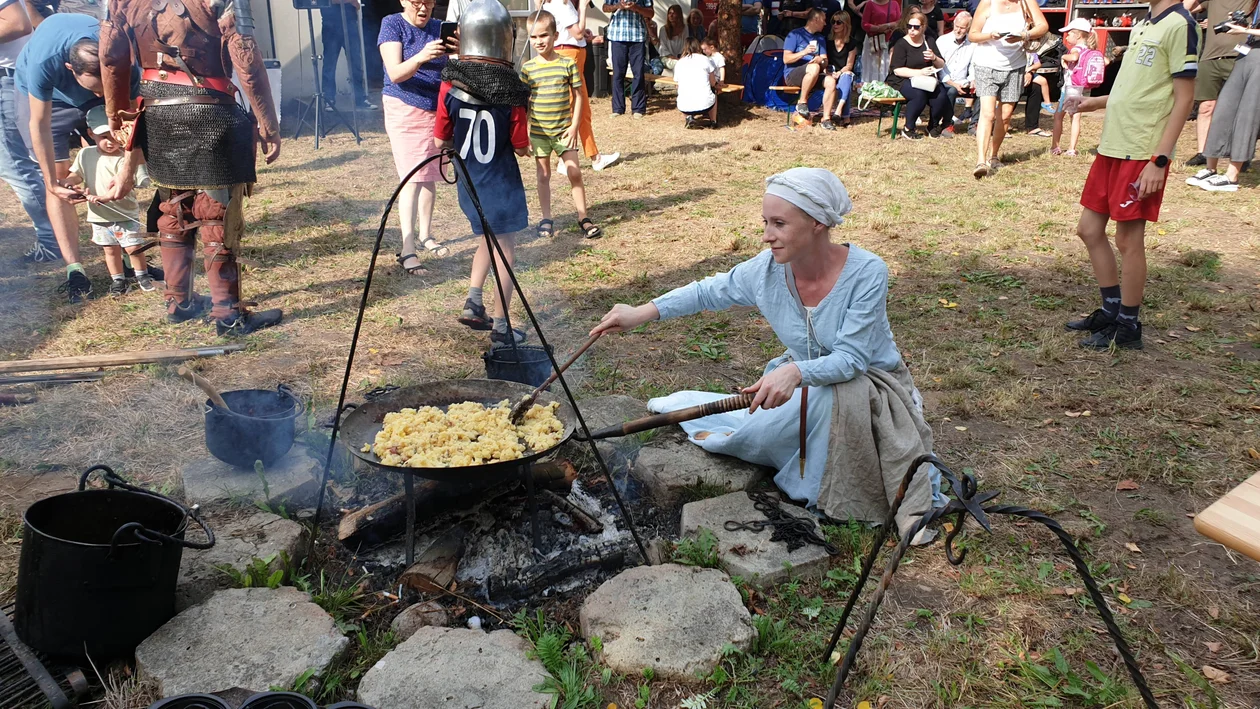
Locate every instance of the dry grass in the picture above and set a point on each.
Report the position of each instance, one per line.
(1178, 418)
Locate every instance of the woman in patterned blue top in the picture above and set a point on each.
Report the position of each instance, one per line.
(413, 57)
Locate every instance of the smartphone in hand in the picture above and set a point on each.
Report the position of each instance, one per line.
(447, 32)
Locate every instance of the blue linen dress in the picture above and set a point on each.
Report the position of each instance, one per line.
(844, 335)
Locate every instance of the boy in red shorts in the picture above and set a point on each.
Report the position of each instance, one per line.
(1146, 111)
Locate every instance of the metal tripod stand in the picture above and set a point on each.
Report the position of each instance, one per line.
(313, 110)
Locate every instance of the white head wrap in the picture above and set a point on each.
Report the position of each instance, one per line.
(817, 192)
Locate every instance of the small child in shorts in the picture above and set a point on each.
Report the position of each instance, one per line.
(554, 116)
(1076, 39)
(115, 225)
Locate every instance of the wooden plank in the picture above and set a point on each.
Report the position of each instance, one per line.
(1234, 520)
(722, 89)
(120, 359)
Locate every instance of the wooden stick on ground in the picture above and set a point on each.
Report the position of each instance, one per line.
(121, 359)
(65, 378)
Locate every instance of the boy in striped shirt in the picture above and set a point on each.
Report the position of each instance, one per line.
(554, 115)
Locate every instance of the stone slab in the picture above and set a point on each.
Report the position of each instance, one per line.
(454, 668)
(675, 619)
(670, 467)
(258, 536)
(417, 616)
(252, 638)
(292, 481)
(751, 555)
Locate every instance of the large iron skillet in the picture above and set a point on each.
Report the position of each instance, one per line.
(366, 420)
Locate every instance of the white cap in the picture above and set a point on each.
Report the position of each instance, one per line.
(97, 121)
(1079, 23)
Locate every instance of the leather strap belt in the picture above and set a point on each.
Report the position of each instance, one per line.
(202, 99)
(164, 76)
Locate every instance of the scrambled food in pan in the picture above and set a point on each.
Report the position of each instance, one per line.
(465, 434)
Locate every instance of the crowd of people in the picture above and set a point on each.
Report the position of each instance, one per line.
(56, 82)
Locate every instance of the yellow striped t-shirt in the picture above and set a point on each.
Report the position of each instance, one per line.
(550, 83)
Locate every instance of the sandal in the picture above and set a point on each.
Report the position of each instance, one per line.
(436, 248)
(546, 228)
(1056, 151)
(402, 261)
(1069, 154)
(589, 230)
(982, 170)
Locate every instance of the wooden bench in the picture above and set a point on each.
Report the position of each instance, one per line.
(1234, 520)
(789, 90)
(721, 89)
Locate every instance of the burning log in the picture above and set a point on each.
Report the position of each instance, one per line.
(384, 520)
(580, 517)
(531, 581)
(435, 570)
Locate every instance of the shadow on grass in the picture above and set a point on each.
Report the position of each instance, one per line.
(320, 163)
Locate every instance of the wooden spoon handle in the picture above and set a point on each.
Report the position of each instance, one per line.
(204, 385)
(720, 406)
(555, 375)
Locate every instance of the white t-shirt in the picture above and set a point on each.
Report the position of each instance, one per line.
(718, 60)
(565, 16)
(692, 74)
(97, 169)
(10, 50)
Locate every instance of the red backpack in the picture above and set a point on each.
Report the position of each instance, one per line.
(1090, 69)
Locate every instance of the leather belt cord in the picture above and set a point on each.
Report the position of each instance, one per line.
(183, 100)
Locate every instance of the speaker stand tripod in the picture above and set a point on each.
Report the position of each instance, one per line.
(317, 109)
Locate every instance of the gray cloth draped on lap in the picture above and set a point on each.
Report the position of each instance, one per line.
(876, 431)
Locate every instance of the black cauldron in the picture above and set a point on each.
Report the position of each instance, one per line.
(257, 425)
(524, 364)
(98, 568)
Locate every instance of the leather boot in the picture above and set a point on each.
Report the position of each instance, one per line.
(192, 309)
(245, 322)
(176, 243)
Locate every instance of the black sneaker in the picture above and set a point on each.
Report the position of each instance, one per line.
(77, 287)
(237, 324)
(689, 122)
(41, 254)
(828, 125)
(934, 133)
(192, 309)
(1197, 160)
(911, 134)
(1095, 321)
(144, 281)
(1120, 337)
(498, 337)
(474, 316)
(117, 287)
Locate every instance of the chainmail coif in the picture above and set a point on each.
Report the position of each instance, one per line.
(493, 83)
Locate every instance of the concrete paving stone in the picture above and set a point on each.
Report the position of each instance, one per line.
(455, 668)
(751, 555)
(675, 619)
(252, 638)
(258, 536)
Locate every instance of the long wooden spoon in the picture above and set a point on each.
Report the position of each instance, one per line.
(518, 411)
(731, 403)
(204, 385)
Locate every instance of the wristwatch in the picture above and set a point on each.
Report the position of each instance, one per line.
(1161, 161)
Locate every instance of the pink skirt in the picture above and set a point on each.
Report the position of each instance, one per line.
(410, 132)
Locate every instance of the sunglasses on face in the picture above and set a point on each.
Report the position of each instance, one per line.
(915, 27)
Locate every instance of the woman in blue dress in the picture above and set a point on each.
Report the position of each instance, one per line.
(826, 303)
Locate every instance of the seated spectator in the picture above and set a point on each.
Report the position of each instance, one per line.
(956, 49)
(708, 45)
(695, 25)
(901, 24)
(841, 55)
(1036, 87)
(697, 79)
(804, 58)
(669, 41)
(914, 65)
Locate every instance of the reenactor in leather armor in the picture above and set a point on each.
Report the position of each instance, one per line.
(198, 142)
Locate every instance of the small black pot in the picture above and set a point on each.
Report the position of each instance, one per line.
(524, 364)
(257, 425)
(98, 568)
